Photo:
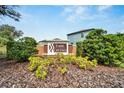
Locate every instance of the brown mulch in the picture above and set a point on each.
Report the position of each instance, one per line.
(17, 75)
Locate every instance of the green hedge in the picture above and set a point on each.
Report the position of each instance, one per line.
(22, 49)
(108, 49)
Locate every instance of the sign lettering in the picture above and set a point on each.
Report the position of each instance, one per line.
(60, 47)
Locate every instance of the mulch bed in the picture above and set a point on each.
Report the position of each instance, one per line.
(17, 75)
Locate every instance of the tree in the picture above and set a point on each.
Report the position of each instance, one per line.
(8, 33)
(7, 10)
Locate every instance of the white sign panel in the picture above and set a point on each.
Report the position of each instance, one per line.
(54, 48)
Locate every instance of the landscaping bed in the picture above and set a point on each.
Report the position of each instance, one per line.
(14, 74)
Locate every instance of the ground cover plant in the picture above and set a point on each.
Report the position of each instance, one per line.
(107, 49)
(40, 65)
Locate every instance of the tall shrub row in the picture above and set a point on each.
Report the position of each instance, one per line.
(108, 49)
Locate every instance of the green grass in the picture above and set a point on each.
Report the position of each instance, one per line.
(3, 52)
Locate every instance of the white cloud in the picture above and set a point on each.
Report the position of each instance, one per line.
(68, 9)
(73, 13)
(79, 13)
(71, 18)
(80, 9)
(104, 7)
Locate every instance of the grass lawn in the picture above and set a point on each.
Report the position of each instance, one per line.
(3, 52)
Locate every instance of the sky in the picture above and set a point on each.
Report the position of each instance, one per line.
(48, 22)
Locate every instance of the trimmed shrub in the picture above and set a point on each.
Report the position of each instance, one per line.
(22, 49)
(107, 49)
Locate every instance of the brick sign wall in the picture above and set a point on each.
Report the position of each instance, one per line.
(53, 48)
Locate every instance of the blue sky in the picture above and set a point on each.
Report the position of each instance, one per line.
(48, 22)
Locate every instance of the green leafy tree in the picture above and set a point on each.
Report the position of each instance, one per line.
(8, 33)
(8, 10)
